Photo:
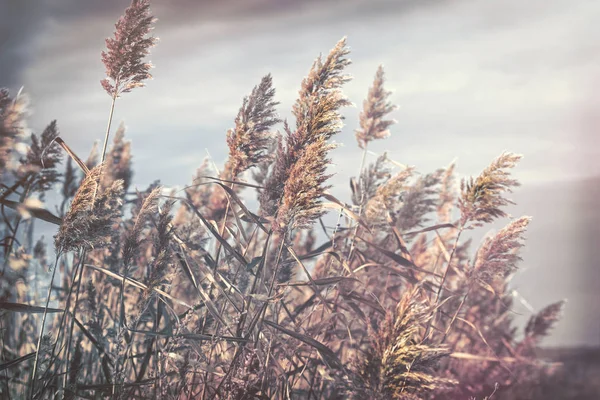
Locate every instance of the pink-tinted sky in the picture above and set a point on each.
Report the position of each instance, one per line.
(472, 78)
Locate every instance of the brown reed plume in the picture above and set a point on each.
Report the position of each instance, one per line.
(302, 161)
(376, 107)
(250, 140)
(43, 156)
(133, 238)
(124, 55)
(482, 198)
(365, 187)
(89, 222)
(540, 324)
(373, 126)
(381, 207)
(123, 58)
(397, 365)
(498, 256)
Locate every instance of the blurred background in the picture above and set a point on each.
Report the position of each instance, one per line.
(471, 79)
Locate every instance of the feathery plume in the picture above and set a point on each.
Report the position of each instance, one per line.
(12, 126)
(481, 199)
(498, 256)
(376, 106)
(118, 161)
(302, 161)
(44, 155)
(161, 262)
(124, 56)
(250, 140)
(371, 178)
(383, 205)
(540, 324)
(132, 239)
(320, 98)
(302, 191)
(88, 223)
(397, 364)
(417, 202)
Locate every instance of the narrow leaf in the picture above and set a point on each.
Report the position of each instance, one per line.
(16, 361)
(24, 308)
(39, 213)
(325, 351)
(71, 153)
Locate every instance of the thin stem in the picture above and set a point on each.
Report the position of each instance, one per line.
(39, 343)
(362, 199)
(106, 136)
(439, 292)
(73, 319)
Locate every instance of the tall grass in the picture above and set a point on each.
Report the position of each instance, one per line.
(159, 294)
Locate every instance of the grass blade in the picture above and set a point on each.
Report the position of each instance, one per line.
(24, 308)
(16, 361)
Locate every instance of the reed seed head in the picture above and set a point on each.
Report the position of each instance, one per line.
(125, 52)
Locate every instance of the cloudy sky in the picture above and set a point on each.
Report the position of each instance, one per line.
(472, 78)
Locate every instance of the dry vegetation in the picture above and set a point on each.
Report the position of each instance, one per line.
(189, 294)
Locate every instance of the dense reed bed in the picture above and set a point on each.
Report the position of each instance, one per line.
(189, 294)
